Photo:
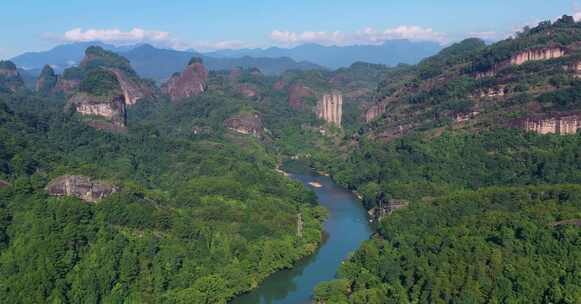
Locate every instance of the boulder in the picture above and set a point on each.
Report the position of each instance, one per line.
(246, 123)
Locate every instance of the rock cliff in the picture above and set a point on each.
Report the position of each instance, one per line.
(330, 109)
(47, 81)
(246, 123)
(81, 187)
(537, 54)
(133, 89)
(100, 95)
(9, 77)
(520, 58)
(557, 124)
(111, 108)
(296, 95)
(374, 111)
(191, 82)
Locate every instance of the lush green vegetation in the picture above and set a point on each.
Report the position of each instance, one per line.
(100, 83)
(199, 219)
(495, 245)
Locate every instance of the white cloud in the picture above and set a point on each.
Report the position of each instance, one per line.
(135, 35)
(139, 35)
(365, 36)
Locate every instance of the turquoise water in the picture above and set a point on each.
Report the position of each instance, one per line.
(346, 227)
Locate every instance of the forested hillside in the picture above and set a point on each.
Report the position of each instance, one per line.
(482, 144)
(198, 219)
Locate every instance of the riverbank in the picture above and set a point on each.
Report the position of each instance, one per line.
(346, 227)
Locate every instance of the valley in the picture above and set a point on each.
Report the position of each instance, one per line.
(453, 180)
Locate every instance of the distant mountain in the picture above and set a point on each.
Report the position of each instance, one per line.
(154, 63)
(390, 53)
(60, 57)
(160, 64)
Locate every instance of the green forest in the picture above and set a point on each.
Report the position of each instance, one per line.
(198, 220)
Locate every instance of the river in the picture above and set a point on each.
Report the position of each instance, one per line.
(346, 227)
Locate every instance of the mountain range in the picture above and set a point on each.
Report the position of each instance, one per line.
(390, 53)
(159, 64)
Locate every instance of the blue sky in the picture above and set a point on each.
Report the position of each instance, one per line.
(31, 25)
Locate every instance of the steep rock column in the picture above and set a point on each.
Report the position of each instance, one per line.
(330, 109)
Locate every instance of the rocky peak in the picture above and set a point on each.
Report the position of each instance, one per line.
(191, 82)
(47, 81)
(81, 187)
(9, 77)
(330, 108)
(245, 123)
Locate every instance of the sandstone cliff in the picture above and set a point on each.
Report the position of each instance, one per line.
(133, 89)
(246, 123)
(9, 77)
(47, 81)
(330, 109)
(520, 58)
(374, 111)
(296, 95)
(191, 82)
(100, 95)
(554, 124)
(111, 108)
(81, 187)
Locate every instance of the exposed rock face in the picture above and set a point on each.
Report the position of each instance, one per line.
(9, 77)
(67, 86)
(81, 187)
(279, 85)
(247, 90)
(192, 81)
(563, 125)
(4, 184)
(493, 92)
(297, 92)
(463, 117)
(330, 109)
(133, 91)
(248, 123)
(111, 108)
(374, 111)
(537, 54)
(47, 81)
(524, 57)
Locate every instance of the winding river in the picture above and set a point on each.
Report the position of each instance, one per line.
(346, 227)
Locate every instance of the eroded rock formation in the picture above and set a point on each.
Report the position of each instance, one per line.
(9, 77)
(133, 89)
(111, 108)
(246, 123)
(296, 95)
(374, 111)
(537, 54)
(330, 109)
(546, 53)
(192, 81)
(4, 184)
(81, 187)
(247, 90)
(47, 81)
(563, 125)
